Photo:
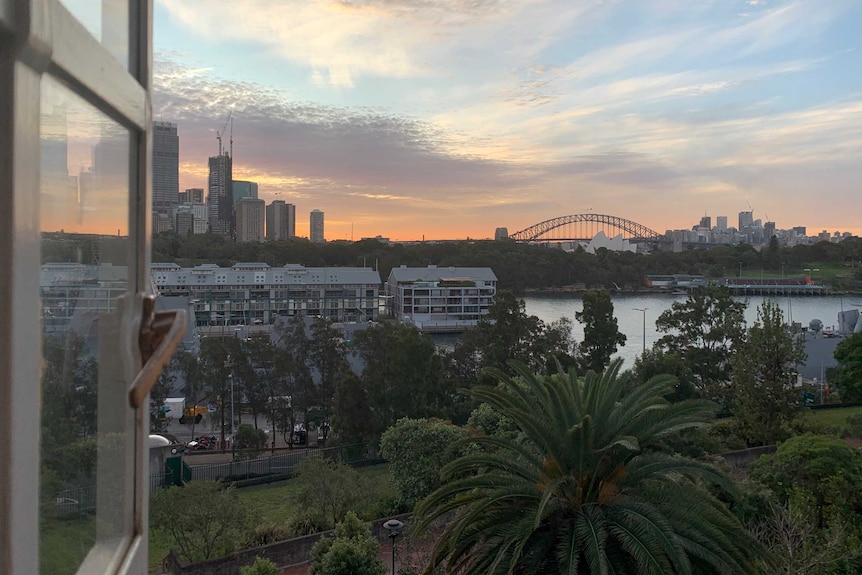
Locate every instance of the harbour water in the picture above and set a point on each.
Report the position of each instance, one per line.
(550, 308)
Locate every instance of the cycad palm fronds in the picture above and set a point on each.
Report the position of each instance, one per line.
(577, 493)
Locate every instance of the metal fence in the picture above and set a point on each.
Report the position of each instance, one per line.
(281, 465)
(83, 499)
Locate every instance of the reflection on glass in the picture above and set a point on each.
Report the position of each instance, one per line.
(84, 222)
(107, 21)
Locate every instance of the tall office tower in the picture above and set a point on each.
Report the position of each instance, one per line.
(768, 230)
(192, 196)
(706, 222)
(249, 220)
(220, 196)
(746, 220)
(800, 230)
(721, 223)
(242, 189)
(166, 168)
(280, 220)
(315, 227)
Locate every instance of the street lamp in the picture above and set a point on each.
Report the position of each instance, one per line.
(394, 527)
(643, 311)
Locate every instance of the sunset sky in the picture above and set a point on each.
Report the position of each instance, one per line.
(448, 118)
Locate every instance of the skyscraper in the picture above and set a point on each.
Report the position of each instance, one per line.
(746, 220)
(721, 223)
(249, 220)
(706, 222)
(315, 228)
(220, 196)
(192, 196)
(280, 220)
(243, 189)
(166, 168)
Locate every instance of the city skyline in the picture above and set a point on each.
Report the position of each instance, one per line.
(450, 120)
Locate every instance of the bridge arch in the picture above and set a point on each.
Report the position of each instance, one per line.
(579, 227)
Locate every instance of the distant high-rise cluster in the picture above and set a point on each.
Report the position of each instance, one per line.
(229, 208)
(750, 230)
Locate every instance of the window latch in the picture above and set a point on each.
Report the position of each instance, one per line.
(160, 334)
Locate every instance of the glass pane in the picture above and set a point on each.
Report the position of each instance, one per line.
(107, 21)
(86, 421)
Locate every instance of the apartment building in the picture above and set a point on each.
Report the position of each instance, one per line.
(445, 300)
(256, 293)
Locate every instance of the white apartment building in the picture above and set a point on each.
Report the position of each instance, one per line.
(440, 299)
(256, 293)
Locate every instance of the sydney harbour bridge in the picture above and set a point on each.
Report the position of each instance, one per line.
(583, 227)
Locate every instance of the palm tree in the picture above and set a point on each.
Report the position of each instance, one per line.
(582, 488)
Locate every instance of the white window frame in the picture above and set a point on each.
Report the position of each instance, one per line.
(41, 37)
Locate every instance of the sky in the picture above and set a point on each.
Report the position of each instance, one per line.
(445, 119)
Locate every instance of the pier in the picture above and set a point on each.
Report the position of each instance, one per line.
(794, 286)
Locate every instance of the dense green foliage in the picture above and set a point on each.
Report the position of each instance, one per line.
(402, 376)
(704, 331)
(825, 471)
(326, 491)
(602, 337)
(417, 449)
(765, 397)
(580, 490)
(351, 551)
(848, 375)
(261, 566)
(250, 442)
(202, 519)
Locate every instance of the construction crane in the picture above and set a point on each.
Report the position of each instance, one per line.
(220, 134)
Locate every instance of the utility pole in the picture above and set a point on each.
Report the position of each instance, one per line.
(643, 311)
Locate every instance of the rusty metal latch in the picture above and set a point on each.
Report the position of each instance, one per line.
(160, 334)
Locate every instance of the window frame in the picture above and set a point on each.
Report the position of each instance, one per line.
(37, 38)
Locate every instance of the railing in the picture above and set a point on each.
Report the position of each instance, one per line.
(285, 464)
(83, 499)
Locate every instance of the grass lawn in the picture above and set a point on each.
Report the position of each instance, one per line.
(65, 542)
(833, 417)
(275, 503)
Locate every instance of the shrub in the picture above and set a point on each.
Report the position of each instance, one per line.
(261, 566)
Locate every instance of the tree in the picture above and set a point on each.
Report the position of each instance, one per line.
(764, 378)
(848, 374)
(326, 491)
(353, 420)
(825, 471)
(705, 330)
(352, 551)
(215, 368)
(201, 518)
(295, 380)
(261, 566)
(417, 449)
(402, 374)
(656, 361)
(326, 352)
(250, 442)
(189, 368)
(579, 490)
(601, 335)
